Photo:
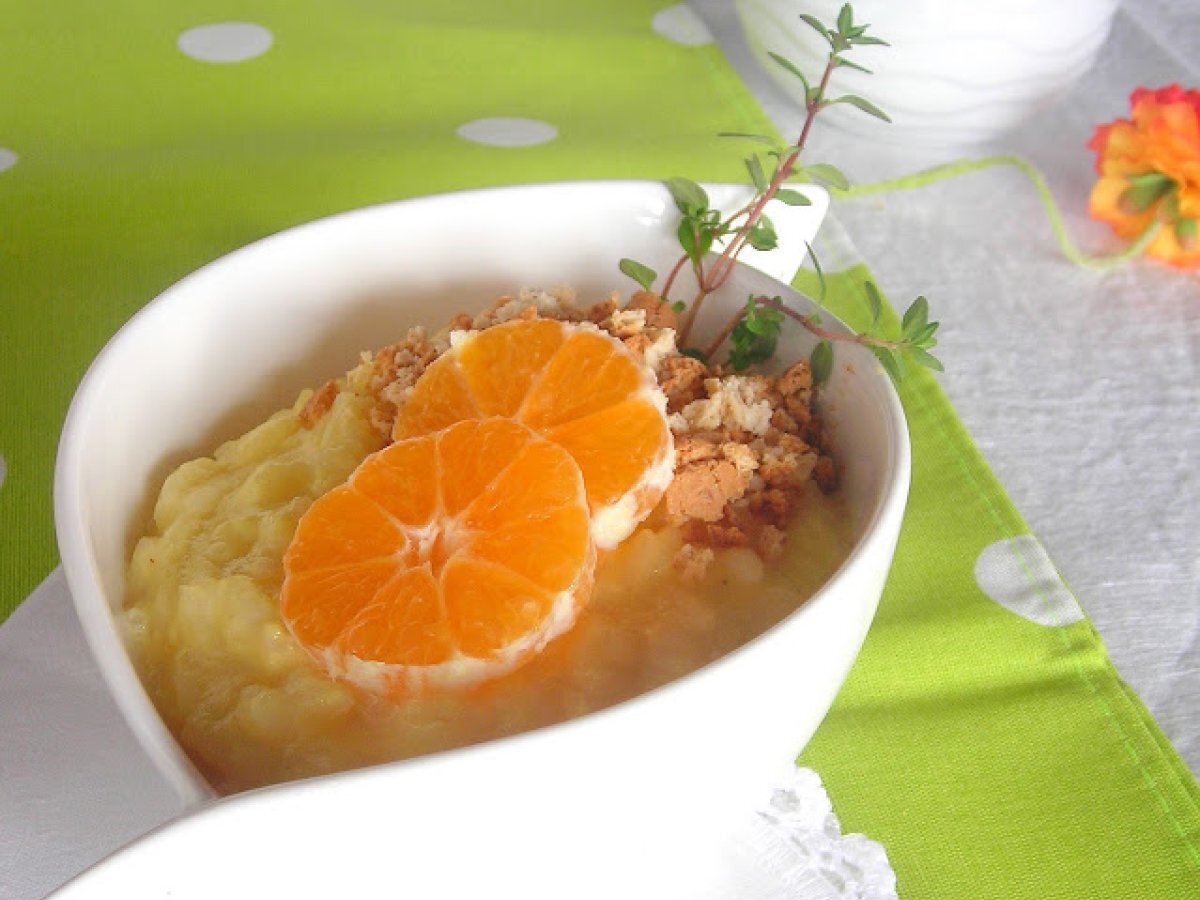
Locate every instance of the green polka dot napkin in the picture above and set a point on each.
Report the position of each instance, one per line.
(983, 735)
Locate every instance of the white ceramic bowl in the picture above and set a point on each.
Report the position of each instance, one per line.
(239, 338)
(955, 74)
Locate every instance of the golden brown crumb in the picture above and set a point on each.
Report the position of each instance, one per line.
(658, 313)
(826, 475)
(690, 448)
(700, 490)
(394, 370)
(715, 534)
(796, 379)
(769, 543)
(692, 562)
(682, 380)
(625, 323)
(744, 459)
(601, 311)
(318, 404)
(773, 505)
(638, 343)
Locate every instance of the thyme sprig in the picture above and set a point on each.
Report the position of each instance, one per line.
(753, 333)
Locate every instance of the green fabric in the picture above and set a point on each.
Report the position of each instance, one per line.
(992, 756)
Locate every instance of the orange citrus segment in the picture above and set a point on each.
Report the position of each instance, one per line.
(437, 565)
(440, 397)
(345, 529)
(341, 589)
(492, 351)
(492, 606)
(418, 637)
(387, 481)
(573, 384)
(591, 372)
(605, 442)
(543, 554)
(478, 456)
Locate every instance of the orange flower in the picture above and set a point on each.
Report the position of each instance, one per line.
(1150, 169)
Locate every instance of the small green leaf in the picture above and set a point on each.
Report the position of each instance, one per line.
(816, 25)
(686, 232)
(643, 275)
(867, 40)
(694, 353)
(924, 358)
(759, 138)
(874, 301)
(792, 197)
(679, 306)
(853, 65)
(865, 105)
(924, 337)
(820, 273)
(821, 362)
(757, 326)
(754, 167)
(696, 233)
(1187, 233)
(890, 362)
(829, 174)
(845, 19)
(1144, 191)
(688, 196)
(754, 338)
(1148, 178)
(791, 67)
(762, 235)
(1170, 207)
(915, 318)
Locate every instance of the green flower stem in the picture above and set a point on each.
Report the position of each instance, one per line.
(967, 166)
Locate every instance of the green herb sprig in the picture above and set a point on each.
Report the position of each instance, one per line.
(753, 333)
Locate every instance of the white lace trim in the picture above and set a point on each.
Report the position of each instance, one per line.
(797, 847)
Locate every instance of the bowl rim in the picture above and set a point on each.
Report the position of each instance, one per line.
(82, 570)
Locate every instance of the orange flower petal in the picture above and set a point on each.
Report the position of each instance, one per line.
(1163, 136)
(1167, 248)
(1105, 205)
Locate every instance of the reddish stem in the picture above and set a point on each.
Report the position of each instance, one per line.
(863, 339)
(666, 291)
(724, 265)
(722, 268)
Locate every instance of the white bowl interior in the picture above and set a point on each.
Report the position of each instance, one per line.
(238, 339)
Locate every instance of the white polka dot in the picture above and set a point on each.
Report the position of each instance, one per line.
(8, 159)
(682, 25)
(226, 42)
(506, 132)
(1018, 574)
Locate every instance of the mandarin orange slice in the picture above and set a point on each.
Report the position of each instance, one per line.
(445, 560)
(574, 384)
